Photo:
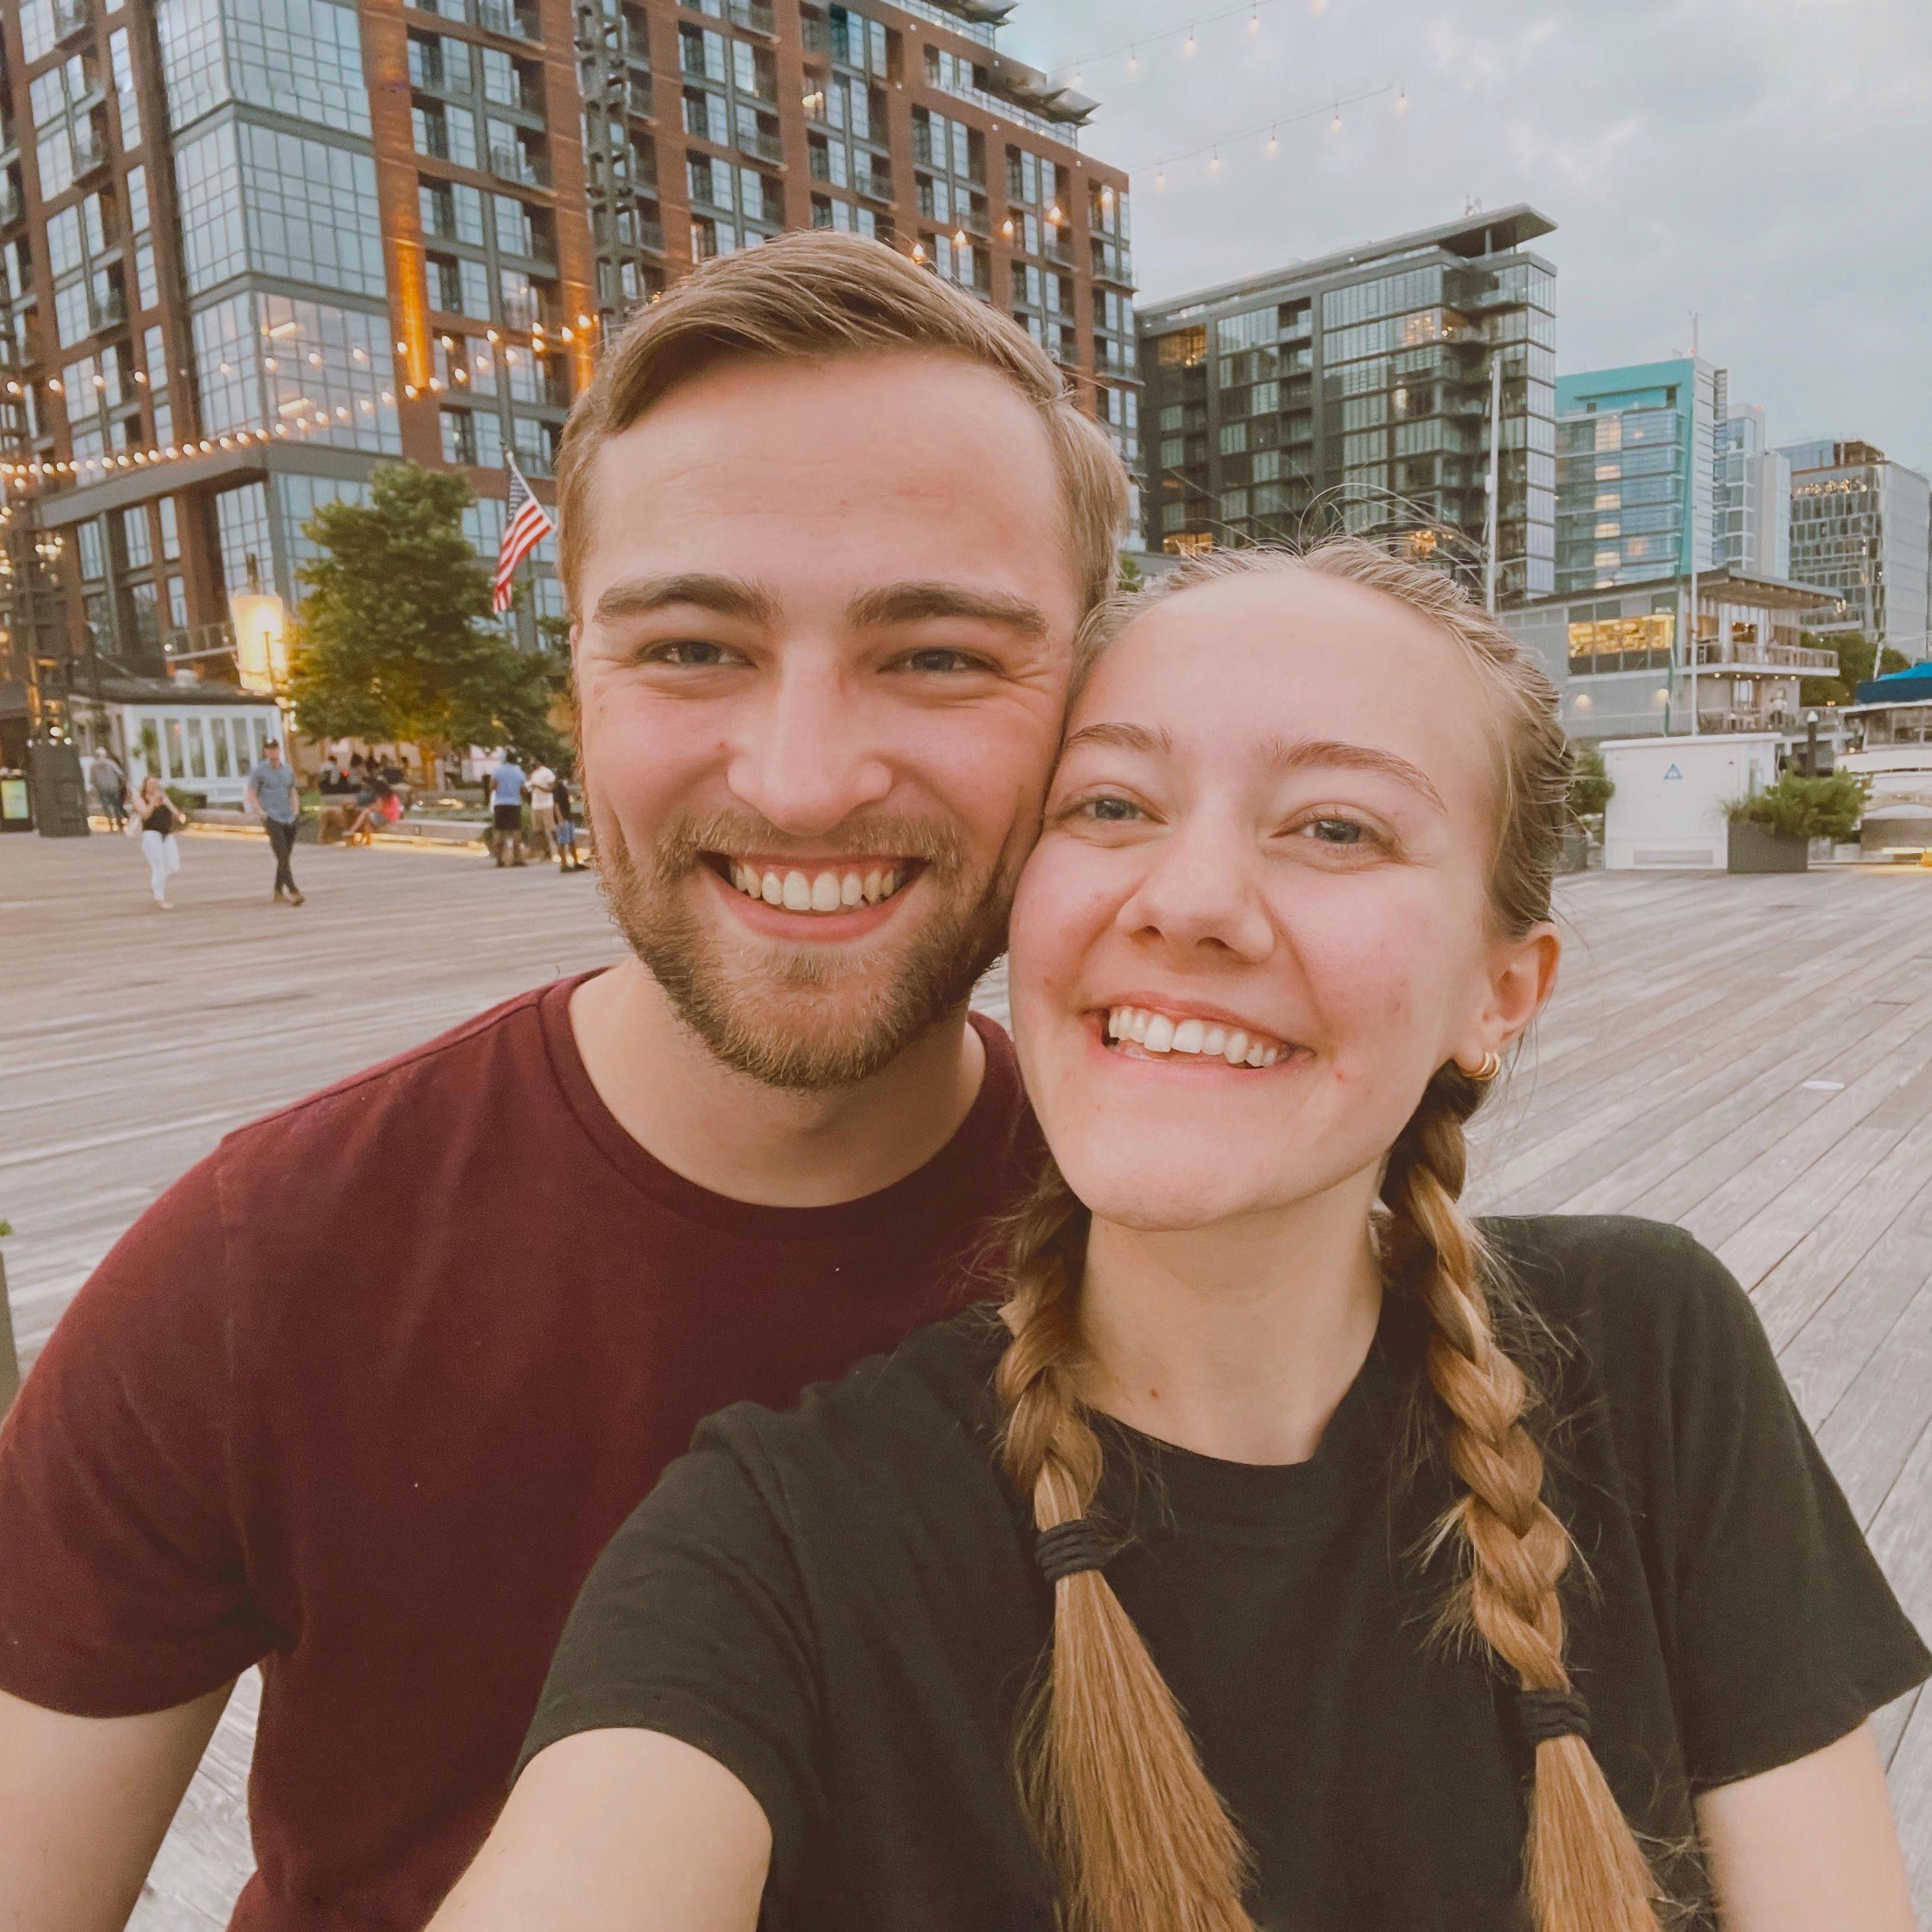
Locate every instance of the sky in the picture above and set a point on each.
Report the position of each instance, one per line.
(1766, 163)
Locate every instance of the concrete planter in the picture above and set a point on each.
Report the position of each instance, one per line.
(1754, 849)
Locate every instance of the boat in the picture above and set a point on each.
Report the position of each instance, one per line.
(1888, 745)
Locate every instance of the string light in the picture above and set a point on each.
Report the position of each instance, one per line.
(1160, 178)
(1133, 60)
(1214, 166)
(1191, 44)
(1274, 147)
(1254, 20)
(1335, 125)
(1401, 104)
(1318, 8)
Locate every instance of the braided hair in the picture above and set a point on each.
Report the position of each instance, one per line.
(1107, 1770)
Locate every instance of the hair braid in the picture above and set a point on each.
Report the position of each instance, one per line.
(1109, 1773)
(1584, 1870)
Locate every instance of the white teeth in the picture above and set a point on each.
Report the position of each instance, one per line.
(1257, 1054)
(1156, 1033)
(1117, 1024)
(1236, 1051)
(1214, 1039)
(1158, 1037)
(822, 892)
(1137, 1026)
(1189, 1035)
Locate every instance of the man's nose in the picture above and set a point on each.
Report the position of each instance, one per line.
(811, 756)
(1202, 894)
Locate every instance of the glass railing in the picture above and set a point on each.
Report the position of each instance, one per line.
(499, 16)
(981, 31)
(513, 164)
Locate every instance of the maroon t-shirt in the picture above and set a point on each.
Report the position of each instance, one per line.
(363, 1396)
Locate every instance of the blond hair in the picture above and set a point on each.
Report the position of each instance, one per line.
(820, 294)
(1108, 1769)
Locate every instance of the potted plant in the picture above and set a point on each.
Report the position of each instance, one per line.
(1591, 789)
(1772, 831)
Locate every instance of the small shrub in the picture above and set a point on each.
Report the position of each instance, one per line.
(1591, 787)
(1801, 808)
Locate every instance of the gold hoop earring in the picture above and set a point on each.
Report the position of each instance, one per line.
(1492, 1066)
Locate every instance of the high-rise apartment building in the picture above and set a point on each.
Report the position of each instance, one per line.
(1750, 508)
(1635, 473)
(1355, 390)
(1862, 528)
(249, 249)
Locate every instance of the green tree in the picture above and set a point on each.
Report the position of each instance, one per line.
(1591, 786)
(396, 640)
(1131, 578)
(1855, 653)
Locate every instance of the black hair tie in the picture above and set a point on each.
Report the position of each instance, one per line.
(1545, 1715)
(1069, 1548)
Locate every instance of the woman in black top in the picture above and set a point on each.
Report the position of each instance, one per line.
(158, 817)
(1292, 1551)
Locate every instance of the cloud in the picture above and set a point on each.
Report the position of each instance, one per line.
(1767, 164)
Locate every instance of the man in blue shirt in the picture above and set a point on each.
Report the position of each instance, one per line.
(273, 793)
(506, 795)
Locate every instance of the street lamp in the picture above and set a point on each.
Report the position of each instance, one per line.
(1810, 744)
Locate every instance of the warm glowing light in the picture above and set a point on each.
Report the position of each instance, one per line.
(1273, 145)
(1133, 60)
(402, 348)
(1255, 18)
(959, 238)
(583, 320)
(490, 335)
(1214, 166)
(1402, 102)
(1318, 8)
(448, 341)
(1160, 178)
(1191, 44)
(1335, 125)
(918, 252)
(1006, 228)
(261, 639)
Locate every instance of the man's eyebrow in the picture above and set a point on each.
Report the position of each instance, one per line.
(1120, 738)
(911, 603)
(1290, 754)
(727, 596)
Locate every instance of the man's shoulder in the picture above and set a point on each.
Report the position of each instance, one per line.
(418, 1091)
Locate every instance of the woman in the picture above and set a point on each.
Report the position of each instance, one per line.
(157, 816)
(567, 857)
(1283, 1558)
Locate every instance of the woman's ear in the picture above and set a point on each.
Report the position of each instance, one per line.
(1522, 976)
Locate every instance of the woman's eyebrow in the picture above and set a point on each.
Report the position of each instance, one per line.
(1120, 737)
(1293, 754)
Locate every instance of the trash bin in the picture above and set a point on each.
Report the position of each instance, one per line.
(59, 790)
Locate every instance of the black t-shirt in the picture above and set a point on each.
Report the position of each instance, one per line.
(841, 1606)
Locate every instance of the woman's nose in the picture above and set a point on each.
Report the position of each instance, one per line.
(1201, 894)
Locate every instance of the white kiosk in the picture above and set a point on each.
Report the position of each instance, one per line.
(1667, 812)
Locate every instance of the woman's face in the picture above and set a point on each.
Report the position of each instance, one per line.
(1257, 921)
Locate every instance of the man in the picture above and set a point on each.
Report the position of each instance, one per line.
(543, 809)
(273, 792)
(506, 797)
(110, 786)
(829, 526)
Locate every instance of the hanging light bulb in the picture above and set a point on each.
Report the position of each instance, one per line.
(1214, 166)
(1133, 60)
(1318, 8)
(1189, 49)
(1255, 18)
(1402, 100)
(1273, 145)
(1335, 124)
(959, 238)
(1159, 178)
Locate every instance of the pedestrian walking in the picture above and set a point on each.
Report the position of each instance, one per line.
(543, 810)
(273, 792)
(158, 816)
(506, 795)
(110, 786)
(568, 859)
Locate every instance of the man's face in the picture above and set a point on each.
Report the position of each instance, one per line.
(274, 755)
(827, 615)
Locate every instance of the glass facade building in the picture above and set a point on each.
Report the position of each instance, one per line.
(1751, 504)
(1354, 390)
(1635, 473)
(250, 248)
(1861, 530)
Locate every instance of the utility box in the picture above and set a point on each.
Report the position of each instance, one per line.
(1667, 812)
(60, 791)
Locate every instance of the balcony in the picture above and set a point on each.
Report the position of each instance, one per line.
(500, 17)
(512, 164)
(109, 309)
(90, 147)
(640, 96)
(817, 37)
(651, 235)
(874, 184)
(766, 147)
(70, 17)
(634, 45)
(12, 207)
(1749, 659)
(755, 16)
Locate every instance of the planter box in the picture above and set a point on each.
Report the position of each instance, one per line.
(1753, 849)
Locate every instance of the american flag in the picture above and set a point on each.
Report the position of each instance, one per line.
(525, 526)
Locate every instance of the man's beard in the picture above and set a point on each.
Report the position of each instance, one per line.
(801, 1017)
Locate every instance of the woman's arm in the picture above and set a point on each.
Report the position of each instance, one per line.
(619, 1831)
(1809, 1847)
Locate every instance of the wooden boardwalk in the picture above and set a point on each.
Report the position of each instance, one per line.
(1751, 1057)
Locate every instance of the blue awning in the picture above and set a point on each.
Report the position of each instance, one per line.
(1912, 686)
